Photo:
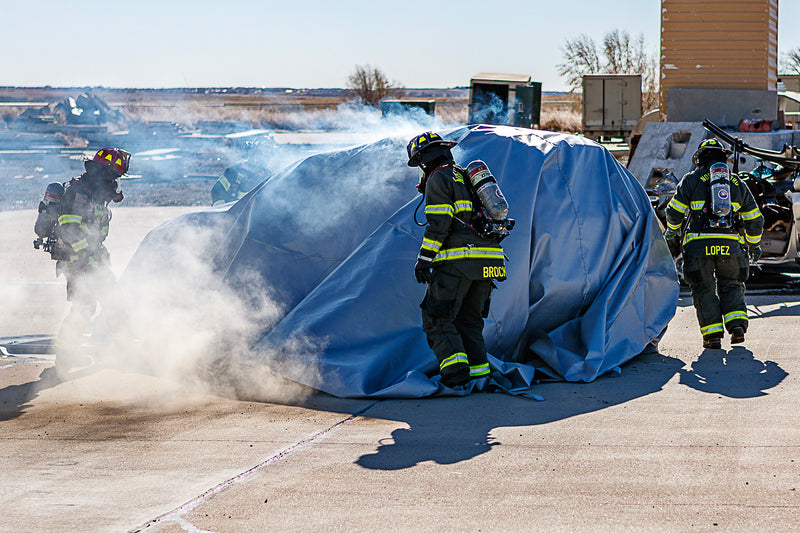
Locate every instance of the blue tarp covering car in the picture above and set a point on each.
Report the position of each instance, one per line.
(331, 241)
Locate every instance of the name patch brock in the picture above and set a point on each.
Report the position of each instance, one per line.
(718, 249)
(494, 272)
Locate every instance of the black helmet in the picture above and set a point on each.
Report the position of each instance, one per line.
(421, 143)
(710, 151)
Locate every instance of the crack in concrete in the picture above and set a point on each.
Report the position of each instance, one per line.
(176, 514)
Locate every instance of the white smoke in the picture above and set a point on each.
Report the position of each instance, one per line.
(172, 318)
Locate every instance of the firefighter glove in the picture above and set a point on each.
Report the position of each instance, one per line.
(422, 271)
(670, 234)
(754, 251)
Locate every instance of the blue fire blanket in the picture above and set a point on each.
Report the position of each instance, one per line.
(331, 243)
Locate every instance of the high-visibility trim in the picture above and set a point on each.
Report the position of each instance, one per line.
(80, 245)
(421, 257)
(218, 202)
(439, 209)
(454, 359)
(479, 370)
(752, 239)
(463, 206)
(430, 244)
(698, 205)
(677, 225)
(225, 183)
(699, 236)
(69, 219)
(712, 328)
(735, 315)
(468, 253)
(736, 206)
(750, 215)
(678, 206)
(241, 194)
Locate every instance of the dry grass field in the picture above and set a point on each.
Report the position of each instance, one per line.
(38, 145)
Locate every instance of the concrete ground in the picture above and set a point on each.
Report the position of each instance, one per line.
(683, 440)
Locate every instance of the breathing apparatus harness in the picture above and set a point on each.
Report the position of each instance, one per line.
(487, 227)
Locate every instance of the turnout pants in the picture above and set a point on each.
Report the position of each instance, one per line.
(717, 283)
(452, 318)
(86, 287)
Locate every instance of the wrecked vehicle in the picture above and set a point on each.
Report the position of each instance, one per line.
(775, 184)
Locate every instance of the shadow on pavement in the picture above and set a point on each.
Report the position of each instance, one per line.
(14, 399)
(450, 430)
(735, 374)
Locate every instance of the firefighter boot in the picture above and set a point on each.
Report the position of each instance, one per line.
(712, 342)
(737, 335)
(454, 370)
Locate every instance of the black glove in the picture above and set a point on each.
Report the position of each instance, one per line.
(422, 271)
(754, 251)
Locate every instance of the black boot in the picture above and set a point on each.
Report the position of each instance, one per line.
(737, 335)
(455, 375)
(712, 343)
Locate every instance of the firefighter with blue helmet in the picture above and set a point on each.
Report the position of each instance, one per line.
(458, 265)
(723, 225)
(238, 179)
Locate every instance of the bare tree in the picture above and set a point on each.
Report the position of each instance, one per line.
(791, 61)
(371, 85)
(580, 57)
(621, 55)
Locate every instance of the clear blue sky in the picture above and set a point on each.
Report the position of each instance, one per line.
(309, 43)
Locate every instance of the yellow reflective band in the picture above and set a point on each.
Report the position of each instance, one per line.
(463, 205)
(698, 236)
(678, 206)
(80, 245)
(753, 239)
(735, 315)
(713, 328)
(736, 206)
(241, 194)
(430, 244)
(218, 202)
(670, 225)
(69, 219)
(697, 206)
(469, 253)
(750, 215)
(225, 183)
(439, 209)
(479, 370)
(456, 358)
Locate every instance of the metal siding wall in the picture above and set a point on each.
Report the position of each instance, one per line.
(718, 44)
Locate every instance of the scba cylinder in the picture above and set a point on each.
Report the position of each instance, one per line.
(720, 181)
(487, 190)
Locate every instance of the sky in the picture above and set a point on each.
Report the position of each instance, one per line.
(310, 43)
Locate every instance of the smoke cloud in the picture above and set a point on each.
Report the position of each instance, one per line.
(180, 312)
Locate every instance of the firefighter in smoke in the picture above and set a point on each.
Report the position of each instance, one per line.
(717, 204)
(240, 178)
(81, 228)
(457, 263)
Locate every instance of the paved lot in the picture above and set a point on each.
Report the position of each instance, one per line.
(683, 440)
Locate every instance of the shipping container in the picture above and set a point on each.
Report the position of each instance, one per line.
(612, 105)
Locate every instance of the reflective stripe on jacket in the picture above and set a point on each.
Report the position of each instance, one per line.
(448, 237)
(694, 195)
